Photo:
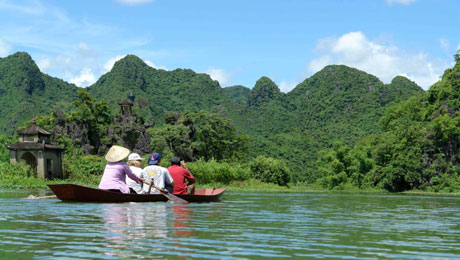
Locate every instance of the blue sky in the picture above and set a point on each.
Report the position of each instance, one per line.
(236, 42)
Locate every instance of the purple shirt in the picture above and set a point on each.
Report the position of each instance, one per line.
(114, 177)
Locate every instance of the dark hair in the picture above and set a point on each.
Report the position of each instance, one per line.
(175, 160)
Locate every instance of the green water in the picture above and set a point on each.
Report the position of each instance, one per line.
(241, 226)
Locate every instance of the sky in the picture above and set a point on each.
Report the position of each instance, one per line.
(236, 41)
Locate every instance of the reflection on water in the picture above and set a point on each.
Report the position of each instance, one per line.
(242, 226)
(181, 220)
(128, 222)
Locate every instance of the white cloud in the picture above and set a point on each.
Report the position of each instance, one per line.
(29, 8)
(83, 46)
(385, 61)
(4, 48)
(85, 78)
(286, 86)
(108, 65)
(445, 44)
(134, 2)
(44, 64)
(404, 2)
(220, 75)
(151, 64)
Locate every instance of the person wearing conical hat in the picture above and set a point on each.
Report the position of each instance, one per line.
(116, 170)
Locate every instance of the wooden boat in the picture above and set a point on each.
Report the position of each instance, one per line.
(72, 192)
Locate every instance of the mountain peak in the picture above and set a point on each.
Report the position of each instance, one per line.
(334, 71)
(264, 91)
(401, 83)
(23, 70)
(402, 80)
(129, 61)
(21, 55)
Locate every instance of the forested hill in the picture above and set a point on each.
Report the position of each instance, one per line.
(157, 91)
(26, 92)
(346, 102)
(417, 148)
(337, 103)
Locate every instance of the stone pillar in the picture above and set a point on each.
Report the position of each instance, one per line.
(40, 165)
(13, 156)
(59, 165)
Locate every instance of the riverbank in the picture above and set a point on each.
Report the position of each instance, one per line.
(248, 186)
(21, 177)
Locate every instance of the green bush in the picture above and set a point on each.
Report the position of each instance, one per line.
(4, 152)
(270, 170)
(334, 180)
(86, 169)
(19, 176)
(218, 172)
(445, 183)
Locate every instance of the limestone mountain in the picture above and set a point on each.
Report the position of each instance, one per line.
(156, 91)
(26, 92)
(263, 92)
(346, 102)
(337, 103)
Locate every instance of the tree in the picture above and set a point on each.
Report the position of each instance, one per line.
(201, 135)
(215, 137)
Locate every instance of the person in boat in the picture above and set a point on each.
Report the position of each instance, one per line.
(116, 170)
(159, 175)
(180, 174)
(135, 164)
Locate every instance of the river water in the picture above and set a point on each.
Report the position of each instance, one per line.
(240, 226)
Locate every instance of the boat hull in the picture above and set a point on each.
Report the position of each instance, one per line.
(73, 192)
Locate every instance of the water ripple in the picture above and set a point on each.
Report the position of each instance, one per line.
(242, 226)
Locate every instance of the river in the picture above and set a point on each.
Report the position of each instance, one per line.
(240, 226)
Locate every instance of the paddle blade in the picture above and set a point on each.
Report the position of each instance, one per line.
(171, 197)
(176, 199)
(32, 197)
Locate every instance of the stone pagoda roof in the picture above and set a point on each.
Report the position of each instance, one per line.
(34, 146)
(33, 129)
(125, 102)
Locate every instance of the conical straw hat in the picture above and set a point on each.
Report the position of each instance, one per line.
(116, 153)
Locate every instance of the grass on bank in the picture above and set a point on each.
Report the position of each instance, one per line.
(87, 171)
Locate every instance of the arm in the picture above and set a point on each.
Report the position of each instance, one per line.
(169, 179)
(130, 174)
(187, 174)
(189, 177)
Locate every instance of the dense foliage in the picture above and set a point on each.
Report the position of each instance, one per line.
(25, 92)
(270, 170)
(419, 147)
(336, 104)
(218, 172)
(237, 94)
(18, 175)
(189, 114)
(157, 91)
(200, 135)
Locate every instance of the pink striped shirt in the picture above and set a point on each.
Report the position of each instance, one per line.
(114, 177)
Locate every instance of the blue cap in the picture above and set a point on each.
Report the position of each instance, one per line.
(154, 159)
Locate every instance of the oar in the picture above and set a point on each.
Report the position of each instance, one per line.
(150, 187)
(167, 194)
(32, 197)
